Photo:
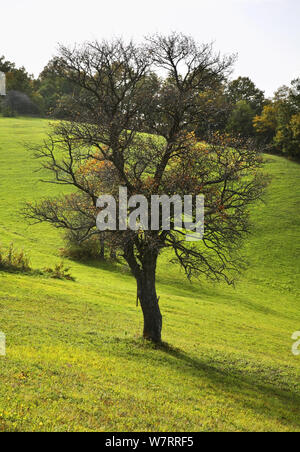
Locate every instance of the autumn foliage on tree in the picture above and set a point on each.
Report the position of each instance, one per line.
(132, 125)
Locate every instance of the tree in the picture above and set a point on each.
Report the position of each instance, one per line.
(5, 65)
(287, 137)
(287, 133)
(52, 88)
(21, 95)
(266, 124)
(295, 93)
(243, 89)
(278, 124)
(216, 110)
(241, 120)
(138, 125)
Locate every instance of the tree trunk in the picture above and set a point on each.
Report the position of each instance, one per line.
(152, 319)
(146, 291)
(149, 302)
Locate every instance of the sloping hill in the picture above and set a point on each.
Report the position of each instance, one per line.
(74, 357)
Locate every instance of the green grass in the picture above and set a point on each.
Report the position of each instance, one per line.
(75, 360)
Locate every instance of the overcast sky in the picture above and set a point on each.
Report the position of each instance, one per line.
(264, 33)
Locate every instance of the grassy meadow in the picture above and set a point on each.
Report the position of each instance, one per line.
(75, 360)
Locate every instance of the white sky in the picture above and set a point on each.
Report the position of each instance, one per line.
(264, 33)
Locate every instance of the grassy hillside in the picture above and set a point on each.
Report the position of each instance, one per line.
(75, 360)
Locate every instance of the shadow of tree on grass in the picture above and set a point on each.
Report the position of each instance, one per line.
(262, 390)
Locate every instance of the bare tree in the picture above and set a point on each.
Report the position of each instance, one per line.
(132, 125)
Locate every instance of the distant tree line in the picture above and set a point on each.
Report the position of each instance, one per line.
(278, 125)
(236, 107)
(22, 96)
